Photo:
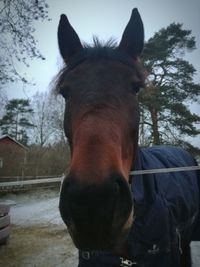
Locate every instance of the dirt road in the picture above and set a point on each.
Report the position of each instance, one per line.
(39, 238)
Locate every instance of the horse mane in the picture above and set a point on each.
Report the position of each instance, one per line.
(97, 43)
(95, 52)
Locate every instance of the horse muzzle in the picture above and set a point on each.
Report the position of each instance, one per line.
(96, 214)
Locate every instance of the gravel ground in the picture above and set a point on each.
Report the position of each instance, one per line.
(38, 236)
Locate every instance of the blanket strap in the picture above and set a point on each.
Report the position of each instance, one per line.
(165, 170)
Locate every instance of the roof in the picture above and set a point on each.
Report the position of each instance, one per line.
(12, 139)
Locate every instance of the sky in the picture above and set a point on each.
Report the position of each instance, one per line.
(104, 18)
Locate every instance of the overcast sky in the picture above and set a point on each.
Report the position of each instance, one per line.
(104, 18)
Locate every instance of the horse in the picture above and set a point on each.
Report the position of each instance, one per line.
(114, 218)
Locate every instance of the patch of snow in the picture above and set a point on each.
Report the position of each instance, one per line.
(39, 212)
(33, 207)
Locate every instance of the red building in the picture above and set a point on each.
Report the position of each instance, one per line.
(12, 156)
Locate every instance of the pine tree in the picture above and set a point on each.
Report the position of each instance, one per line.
(16, 121)
(170, 87)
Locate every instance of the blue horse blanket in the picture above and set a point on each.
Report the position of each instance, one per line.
(166, 212)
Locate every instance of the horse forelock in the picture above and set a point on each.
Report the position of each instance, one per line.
(97, 52)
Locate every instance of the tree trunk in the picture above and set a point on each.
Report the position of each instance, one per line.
(155, 132)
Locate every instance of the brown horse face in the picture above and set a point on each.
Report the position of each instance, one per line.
(101, 123)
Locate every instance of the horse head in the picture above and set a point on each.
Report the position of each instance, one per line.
(100, 85)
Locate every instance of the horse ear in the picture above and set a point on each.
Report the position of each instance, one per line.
(133, 37)
(68, 40)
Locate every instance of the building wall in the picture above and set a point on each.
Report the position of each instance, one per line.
(12, 158)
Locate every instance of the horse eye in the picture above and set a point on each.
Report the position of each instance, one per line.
(64, 92)
(135, 87)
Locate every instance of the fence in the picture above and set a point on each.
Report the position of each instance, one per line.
(27, 184)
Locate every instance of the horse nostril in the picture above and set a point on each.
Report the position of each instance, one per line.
(121, 182)
(67, 189)
(66, 183)
(124, 202)
(69, 182)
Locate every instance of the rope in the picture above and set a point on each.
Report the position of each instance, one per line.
(165, 170)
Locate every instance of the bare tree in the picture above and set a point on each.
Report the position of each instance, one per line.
(48, 119)
(17, 43)
(57, 117)
(3, 102)
(43, 131)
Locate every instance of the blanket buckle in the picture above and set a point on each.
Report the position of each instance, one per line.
(127, 263)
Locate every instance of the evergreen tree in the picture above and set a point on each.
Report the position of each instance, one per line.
(170, 87)
(16, 121)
